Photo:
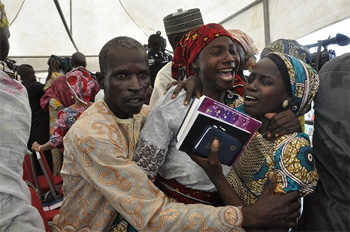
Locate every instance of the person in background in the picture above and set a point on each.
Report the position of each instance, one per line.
(16, 211)
(56, 69)
(328, 208)
(78, 59)
(290, 47)
(246, 51)
(157, 56)
(176, 25)
(56, 98)
(40, 119)
(82, 86)
(98, 169)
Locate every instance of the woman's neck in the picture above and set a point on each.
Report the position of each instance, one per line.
(218, 96)
(264, 126)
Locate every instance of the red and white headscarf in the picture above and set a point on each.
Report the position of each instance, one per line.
(82, 84)
(191, 45)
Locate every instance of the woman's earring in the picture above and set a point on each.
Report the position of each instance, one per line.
(285, 103)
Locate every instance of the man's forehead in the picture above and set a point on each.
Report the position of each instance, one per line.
(123, 59)
(124, 52)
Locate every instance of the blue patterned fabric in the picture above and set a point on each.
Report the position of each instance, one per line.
(294, 163)
(304, 83)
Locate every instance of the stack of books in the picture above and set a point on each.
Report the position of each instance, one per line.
(207, 119)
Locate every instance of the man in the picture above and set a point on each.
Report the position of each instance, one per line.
(328, 208)
(40, 119)
(176, 25)
(157, 56)
(101, 182)
(16, 211)
(78, 59)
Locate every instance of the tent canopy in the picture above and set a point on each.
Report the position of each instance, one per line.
(37, 30)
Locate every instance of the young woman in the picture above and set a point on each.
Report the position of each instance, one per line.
(209, 53)
(278, 82)
(81, 84)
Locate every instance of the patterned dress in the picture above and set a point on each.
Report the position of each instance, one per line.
(290, 157)
(65, 120)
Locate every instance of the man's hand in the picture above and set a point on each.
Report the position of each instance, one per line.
(283, 123)
(191, 84)
(273, 210)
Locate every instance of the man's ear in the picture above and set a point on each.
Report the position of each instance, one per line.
(100, 80)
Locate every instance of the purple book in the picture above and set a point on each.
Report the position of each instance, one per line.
(206, 112)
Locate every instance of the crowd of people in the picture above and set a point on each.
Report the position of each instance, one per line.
(117, 156)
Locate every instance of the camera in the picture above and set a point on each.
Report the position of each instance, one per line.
(163, 46)
(319, 58)
(322, 58)
(11, 64)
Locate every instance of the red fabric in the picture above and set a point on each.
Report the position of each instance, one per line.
(59, 89)
(37, 204)
(182, 191)
(56, 180)
(51, 214)
(82, 84)
(43, 184)
(238, 85)
(28, 171)
(191, 45)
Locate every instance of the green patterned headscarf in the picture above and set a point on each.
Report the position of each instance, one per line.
(292, 48)
(301, 77)
(4, 22)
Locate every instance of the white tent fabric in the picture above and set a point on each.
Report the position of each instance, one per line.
(37, 30)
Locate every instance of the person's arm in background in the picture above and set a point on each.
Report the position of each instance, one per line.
(16, 211)
(56, 139)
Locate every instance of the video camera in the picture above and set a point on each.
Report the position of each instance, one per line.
(11, 64)
(319, 58)
(163, 40)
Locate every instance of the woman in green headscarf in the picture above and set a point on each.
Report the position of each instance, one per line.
(278, 82)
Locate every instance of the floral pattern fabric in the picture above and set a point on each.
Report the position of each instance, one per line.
(65, 119)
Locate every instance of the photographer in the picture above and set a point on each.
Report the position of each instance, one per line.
(157, 57)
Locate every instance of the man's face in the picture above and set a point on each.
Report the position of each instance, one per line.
(31, 75)
(126, 81)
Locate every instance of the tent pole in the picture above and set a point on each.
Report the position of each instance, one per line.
(266, 22)
(65, 23)
(240, 11)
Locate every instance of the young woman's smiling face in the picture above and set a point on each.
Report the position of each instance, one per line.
(264, 90)
(216, 65)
